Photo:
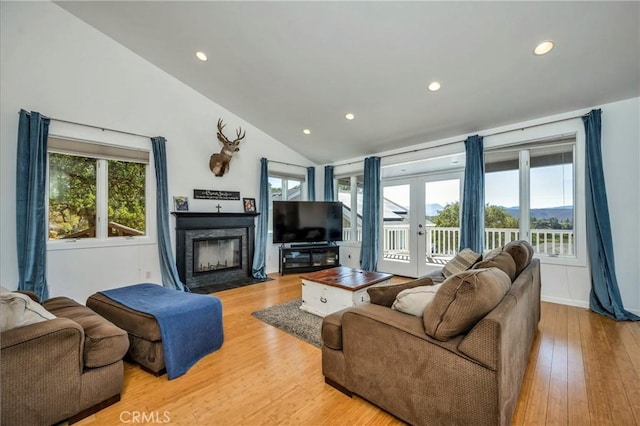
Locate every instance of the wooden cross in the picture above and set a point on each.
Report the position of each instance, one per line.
(218, 207)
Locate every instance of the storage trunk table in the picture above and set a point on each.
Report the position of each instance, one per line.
(331, 290)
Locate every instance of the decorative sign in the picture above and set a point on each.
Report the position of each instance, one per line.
(206, 194)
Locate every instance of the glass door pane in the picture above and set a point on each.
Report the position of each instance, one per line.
(442, 220)
(396, 241)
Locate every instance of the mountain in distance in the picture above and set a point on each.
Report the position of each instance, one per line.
(561, 213)
(433, 209)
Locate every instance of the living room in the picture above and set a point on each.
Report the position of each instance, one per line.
(57, 64)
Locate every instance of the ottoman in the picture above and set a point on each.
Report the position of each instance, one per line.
(169, 330)
(145, 340)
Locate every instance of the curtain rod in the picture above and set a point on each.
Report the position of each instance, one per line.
(458, 141)
(289, 164)
(95, 127)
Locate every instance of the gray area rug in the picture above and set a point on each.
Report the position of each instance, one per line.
(290, 318)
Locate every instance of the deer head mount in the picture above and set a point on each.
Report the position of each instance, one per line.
(219, 163)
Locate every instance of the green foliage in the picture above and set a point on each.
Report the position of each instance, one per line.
(72, 197)
(494, 217)
(126, 204)
(448, 217)
(497, 217)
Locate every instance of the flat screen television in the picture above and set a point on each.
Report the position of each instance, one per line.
(307, 221)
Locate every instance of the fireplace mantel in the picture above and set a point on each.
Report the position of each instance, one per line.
(196, 220)
(192, 226)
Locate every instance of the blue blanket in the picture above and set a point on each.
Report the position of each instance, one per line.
(190, 324)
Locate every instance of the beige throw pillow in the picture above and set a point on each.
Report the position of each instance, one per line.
(18, 310)
(413, 301)
(463, 300)
(501, 260)
(461, 262)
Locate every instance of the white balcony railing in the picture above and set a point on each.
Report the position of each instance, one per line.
(445, 242)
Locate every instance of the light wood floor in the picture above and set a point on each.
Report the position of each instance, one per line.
(584, 369)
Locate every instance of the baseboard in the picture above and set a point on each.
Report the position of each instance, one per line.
(578, 303)
(569, 302)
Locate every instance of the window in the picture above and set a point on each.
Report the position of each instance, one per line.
(350, 190)
(529, 194)
(96, 191)
(283, 188)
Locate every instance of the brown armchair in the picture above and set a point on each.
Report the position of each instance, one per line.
(60, 369)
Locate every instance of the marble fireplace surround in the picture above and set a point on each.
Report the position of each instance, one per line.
(196, 226)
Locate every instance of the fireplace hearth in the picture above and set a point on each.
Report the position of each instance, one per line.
(214, 251)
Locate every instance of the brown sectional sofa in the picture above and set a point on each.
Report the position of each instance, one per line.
(61, 369)
(473, 378)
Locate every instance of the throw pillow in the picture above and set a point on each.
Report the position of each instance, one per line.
(502, 260)
(461, 262)
(413, 301)
(384, 295)
(522, 253)
(18, 310)
(463, 300)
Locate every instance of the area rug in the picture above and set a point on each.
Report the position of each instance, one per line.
(289, 318)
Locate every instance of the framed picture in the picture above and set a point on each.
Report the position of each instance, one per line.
(249, 204)
(181, 203)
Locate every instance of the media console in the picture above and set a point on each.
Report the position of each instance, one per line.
(308, 258)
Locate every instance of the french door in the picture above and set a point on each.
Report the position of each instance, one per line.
(410, 242)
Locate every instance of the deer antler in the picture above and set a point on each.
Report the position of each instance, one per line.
(222, 138)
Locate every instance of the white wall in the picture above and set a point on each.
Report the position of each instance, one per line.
(53, 63)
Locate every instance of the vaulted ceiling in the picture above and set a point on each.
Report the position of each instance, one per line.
(289, 66)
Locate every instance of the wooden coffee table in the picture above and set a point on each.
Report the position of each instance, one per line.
(331, 290)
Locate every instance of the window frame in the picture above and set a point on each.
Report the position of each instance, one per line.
(560, 132)
(353, 187)
(285, 177)
(102, 239)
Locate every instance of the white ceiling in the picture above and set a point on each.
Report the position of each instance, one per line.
(286, 66)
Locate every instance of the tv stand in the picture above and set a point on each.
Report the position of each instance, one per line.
(308, 257)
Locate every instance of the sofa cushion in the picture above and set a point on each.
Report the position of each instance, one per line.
(385, 295)
(413, 300)
(463, 300)
(104, 343)
(19, 310)
(501, 260)
(522, 253)
(461, 262)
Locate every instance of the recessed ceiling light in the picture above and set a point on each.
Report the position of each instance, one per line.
(543, 48)
(434, 86)
(306, 131)
(349, 116)
(202, 56)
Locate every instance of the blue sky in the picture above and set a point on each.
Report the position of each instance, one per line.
(550, 187)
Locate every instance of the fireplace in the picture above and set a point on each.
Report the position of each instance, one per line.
(215, 254)
(214, 251)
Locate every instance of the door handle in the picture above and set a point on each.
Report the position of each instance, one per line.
(420, 233)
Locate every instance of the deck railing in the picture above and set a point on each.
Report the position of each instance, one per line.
(445, 241)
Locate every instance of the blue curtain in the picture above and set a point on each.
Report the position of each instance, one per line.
(168, 268)
(259, 256)
(472, 217)
(329, 192)
(605, 296)
(31, 220)
(370, 215)
(311, 183)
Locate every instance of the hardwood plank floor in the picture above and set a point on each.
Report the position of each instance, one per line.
(584, 369)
